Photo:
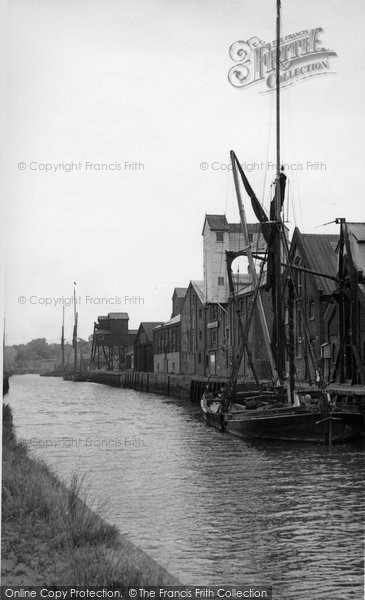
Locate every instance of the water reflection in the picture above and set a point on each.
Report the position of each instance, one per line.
(209, 507)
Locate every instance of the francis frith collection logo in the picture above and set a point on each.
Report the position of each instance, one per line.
(301, 55)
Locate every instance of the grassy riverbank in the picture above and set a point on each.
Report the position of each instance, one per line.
(51, 537)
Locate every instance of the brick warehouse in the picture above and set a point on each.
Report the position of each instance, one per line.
(312, 299)
(167, 346)
(204, 320)
(143, 346)
(205, 316)
(346, 320)
(255, 340)
(193, 330)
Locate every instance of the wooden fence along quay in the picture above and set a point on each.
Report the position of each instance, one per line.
(183, 387)
(186, 387)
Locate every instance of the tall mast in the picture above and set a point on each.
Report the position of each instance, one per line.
(251, 263)
(280, 357)
(63, 338)
(74, 338)
(4, 343)
(277, 72)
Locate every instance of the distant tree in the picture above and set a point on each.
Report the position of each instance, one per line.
(22, 353)
(55, 350)
(40, 348)
(10, 355)
(85, 347)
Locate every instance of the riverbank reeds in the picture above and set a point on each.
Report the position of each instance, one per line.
(52, 534)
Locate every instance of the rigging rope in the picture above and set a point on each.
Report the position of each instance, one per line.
(302, 313)
(293, 153)
(266, 163)
(245, 330)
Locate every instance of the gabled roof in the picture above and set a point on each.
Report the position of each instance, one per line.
(180, 292)
(220, 223)
(237, 227)
(172, 321)
(358, 230)
(356, 233)
(148, 329)
(319, 254)
(244, 286)
(199, 289)
(216, 222)
(241, 278)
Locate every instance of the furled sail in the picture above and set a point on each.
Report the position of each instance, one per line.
(268, 227)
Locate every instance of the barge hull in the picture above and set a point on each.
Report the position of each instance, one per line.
(290, 427)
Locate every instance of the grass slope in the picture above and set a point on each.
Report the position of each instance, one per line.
(51, 537)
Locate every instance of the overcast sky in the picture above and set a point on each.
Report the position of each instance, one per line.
(146, 82)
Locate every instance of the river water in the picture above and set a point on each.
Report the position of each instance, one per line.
(212, 509)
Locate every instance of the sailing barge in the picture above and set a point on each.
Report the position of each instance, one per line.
(79, 372)
(284, 423)
(277, 413)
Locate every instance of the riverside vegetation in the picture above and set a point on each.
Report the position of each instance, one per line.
(51, 534)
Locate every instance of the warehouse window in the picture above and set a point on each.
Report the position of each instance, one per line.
(333, 353)
(298, 277)
(311, 310)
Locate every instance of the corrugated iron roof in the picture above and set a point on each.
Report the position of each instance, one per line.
(241, 278)
(172, 321)
(199, 288)
(320, 255)
(217, 222)
(148, 328)
(246, 287)
(180, 292)
(237, 227)
(358, 229)
(220, 223)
